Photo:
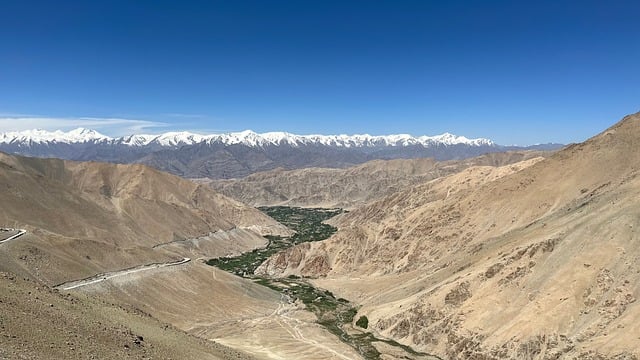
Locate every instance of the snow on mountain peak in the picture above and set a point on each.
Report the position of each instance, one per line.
(84, 135)
(39, 136)
(246, 137)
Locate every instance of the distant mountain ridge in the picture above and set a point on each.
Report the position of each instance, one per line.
(238, 154)
(247, 137)
(354, 186)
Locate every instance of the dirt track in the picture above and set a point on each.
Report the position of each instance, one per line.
(106, 276)
(13, 234)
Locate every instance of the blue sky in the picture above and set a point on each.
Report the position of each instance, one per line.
(513, 71)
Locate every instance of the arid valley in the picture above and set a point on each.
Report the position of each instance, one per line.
(508, 255)
(311, 180)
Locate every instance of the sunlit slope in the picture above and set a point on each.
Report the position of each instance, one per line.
(353, 186)
(84, 218)
(536, 263)
(44, 324)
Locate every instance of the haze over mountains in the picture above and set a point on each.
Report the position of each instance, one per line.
(234, 155)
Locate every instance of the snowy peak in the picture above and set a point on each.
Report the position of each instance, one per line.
(247, 137)
(83, 134)
(238, 154)
(170, 139)
(39, 136)
(451, 139)
(251, 138)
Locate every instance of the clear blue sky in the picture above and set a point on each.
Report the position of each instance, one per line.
(513, 71)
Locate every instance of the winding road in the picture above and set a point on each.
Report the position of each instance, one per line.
(70, 285)
(13, 237)
(100, 277)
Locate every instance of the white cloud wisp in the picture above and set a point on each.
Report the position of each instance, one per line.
(108, 126)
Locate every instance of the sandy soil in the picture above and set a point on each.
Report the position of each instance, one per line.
(213, 304)
(39, 323)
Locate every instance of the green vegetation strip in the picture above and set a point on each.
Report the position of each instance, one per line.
(335, 314)
(307, 223)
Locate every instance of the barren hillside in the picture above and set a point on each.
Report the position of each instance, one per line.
(125, 223)
(538, 263)
(44, 324)
(215, 305)
(350, 187)
(86, 218)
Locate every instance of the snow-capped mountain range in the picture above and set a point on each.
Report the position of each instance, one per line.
(233, 155)
(247, 137)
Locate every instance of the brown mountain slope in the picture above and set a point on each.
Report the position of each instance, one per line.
(538, 264)
(87, 218)
(353, 186)
(213, 304)
(44, 324)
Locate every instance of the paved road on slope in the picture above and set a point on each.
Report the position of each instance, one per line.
(100, 277)
(70, 285)
(13, 237)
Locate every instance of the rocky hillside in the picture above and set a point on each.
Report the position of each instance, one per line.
(114, 237)
(539, 262)
(86, 218)
(350, 187)
(44, 324)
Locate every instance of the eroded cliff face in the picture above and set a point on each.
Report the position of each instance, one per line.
(534, 261)
(351, 187)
